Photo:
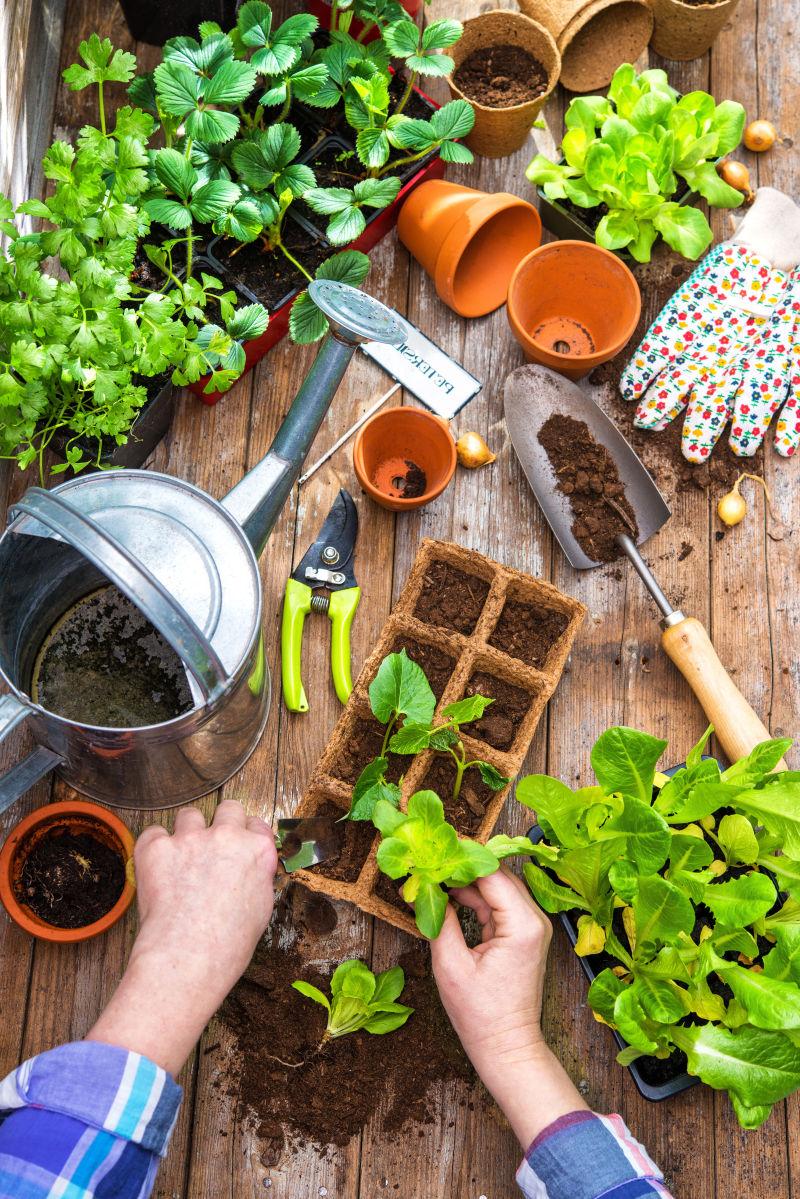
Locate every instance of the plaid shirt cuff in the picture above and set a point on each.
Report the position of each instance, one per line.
(585, 1156)
(101, 1086)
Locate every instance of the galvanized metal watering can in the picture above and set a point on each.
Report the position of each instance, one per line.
(189, 565)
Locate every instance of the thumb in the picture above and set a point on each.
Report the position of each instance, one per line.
(449, 952)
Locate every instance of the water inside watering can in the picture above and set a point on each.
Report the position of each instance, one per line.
(105, 664)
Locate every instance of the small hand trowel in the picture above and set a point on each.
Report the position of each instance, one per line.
(532, 395)
(302, 843)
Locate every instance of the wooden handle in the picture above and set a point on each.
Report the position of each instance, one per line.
(737, 727)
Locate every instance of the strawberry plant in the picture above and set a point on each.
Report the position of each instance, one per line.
(360, 999)
(690, 886)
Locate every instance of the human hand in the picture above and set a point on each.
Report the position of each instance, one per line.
(205, 896)
(493, 996)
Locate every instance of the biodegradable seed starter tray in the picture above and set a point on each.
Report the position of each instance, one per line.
(459, 661)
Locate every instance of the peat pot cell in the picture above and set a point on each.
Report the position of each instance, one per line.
(451, 598)
(501, 722)
(469, 810)
(360, 747)
(437, 664)
(529, 632)
(357, 839)
(388, 889)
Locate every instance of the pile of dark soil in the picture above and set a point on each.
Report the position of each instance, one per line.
(357, 838)
(438, 665)
(362, 746)
(296, 1091)
(587, 475)
(70, 879)
(527, 632)
(501, 76)
(500, 722)
(451, 598)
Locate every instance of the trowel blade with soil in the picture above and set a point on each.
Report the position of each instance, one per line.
(302, 843)
(532, 395)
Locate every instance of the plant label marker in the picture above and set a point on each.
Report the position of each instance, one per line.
(424, 369)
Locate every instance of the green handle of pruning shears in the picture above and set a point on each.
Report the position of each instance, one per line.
(296, 607)
(341, 610)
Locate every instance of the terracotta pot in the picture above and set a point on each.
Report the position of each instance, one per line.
(498, 132)
(79, 816)
(686, 31)
(468, 241)
(573, 305)
(594, 37)
(391, 440)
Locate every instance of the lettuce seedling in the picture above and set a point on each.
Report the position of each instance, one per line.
(359, 999)
(629, 153)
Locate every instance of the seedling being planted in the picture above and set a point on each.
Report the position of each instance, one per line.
(359, 999)
(415, 737)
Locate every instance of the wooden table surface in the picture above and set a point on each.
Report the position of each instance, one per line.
(745, 587)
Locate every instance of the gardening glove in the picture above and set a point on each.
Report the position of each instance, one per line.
(727, 327)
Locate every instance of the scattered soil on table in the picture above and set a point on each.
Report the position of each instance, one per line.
(362, 746)
(358, 836)
(70, 879)
(297, 1091)
(104, 664)
(438, 665)
(451, 598)
(587, 475)
(268, 274)
(528, 632)
(501, 76)
(501, 721)
(469, 810)
(400, 478)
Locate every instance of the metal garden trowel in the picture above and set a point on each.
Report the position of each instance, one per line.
(306, 842)
(532, 395)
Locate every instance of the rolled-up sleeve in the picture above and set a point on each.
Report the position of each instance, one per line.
(87, 1121)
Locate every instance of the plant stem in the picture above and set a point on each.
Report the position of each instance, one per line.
(369, 25)
(387, 735)
(401, 162)
(280, 246)
(287, 104)
(189, 252)
(101, 104)
(461, 766)
(405, 97)
(334, 14)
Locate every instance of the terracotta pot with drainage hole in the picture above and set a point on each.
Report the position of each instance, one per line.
(573, 305)
(404, 449)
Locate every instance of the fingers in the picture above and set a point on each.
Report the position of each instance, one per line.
(151, 833)
(231, 813)
(513, 911)
(707, 415)
(761, 390)
(449, 952)
(470, 897)
(787, 430)
(254, 824)
(189, 820)
(664, 400)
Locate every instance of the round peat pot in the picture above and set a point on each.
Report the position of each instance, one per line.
(404, 450)
(499, 131)
(594, 37)
(74, 817)
(468, 241)
(573, 305)
(687, 31)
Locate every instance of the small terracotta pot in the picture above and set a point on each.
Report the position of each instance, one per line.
(468, 241)
(687, 31)
(594, 37)
(391, 440)
(498, 132)
(78, 816)
(573, 305)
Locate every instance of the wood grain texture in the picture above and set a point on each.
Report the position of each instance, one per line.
(743, 588)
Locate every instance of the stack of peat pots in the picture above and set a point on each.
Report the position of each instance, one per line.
(687, 31)
(594, 37)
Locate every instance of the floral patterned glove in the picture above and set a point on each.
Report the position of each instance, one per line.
(727, 344)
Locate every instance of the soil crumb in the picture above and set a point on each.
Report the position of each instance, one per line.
(528, 632)
(70, 879)
(501, 76)
(587, 475)
(501, 721)
(467, 812)
(451, 598)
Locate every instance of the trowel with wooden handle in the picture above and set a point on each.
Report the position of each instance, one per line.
(532, 395)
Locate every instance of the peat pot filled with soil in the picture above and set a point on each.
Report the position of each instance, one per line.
(66, 871)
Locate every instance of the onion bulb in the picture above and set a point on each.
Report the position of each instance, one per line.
(732, 508)
(473, 451)
(760, 136)
(737, 176)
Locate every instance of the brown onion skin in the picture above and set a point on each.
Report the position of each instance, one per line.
(760, 136)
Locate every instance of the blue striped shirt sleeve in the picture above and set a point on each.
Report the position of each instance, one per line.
(84, 1121)
(585, 1156)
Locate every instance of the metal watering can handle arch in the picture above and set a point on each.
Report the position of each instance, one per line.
(133, 579)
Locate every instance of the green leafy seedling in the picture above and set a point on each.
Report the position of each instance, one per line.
(415, 737)
(359, 999)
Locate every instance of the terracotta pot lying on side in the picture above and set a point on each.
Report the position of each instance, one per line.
(498, 132)
(468, 241)
(594, 37)
(77, 816)
(393, 441)
(687, 31)
(573, 305)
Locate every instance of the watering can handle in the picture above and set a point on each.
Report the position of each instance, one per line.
(133, 579)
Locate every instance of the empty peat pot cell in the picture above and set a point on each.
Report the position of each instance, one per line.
(529, 632)
(468, 811)
(357, 840)
(437, 664)
(451, 598)
(360, 746)
(503, 719)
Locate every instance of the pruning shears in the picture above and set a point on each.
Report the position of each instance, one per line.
(327, 564)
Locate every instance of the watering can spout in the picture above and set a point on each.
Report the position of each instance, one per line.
(354, 317)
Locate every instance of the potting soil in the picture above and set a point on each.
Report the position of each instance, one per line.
(70, 879)
(501, 721)
(587, 475)
(450, 597)
(468, 811)
(501, 76)
(438, 665)
(528, 633)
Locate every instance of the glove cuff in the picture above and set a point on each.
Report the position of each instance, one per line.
(771, 230)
